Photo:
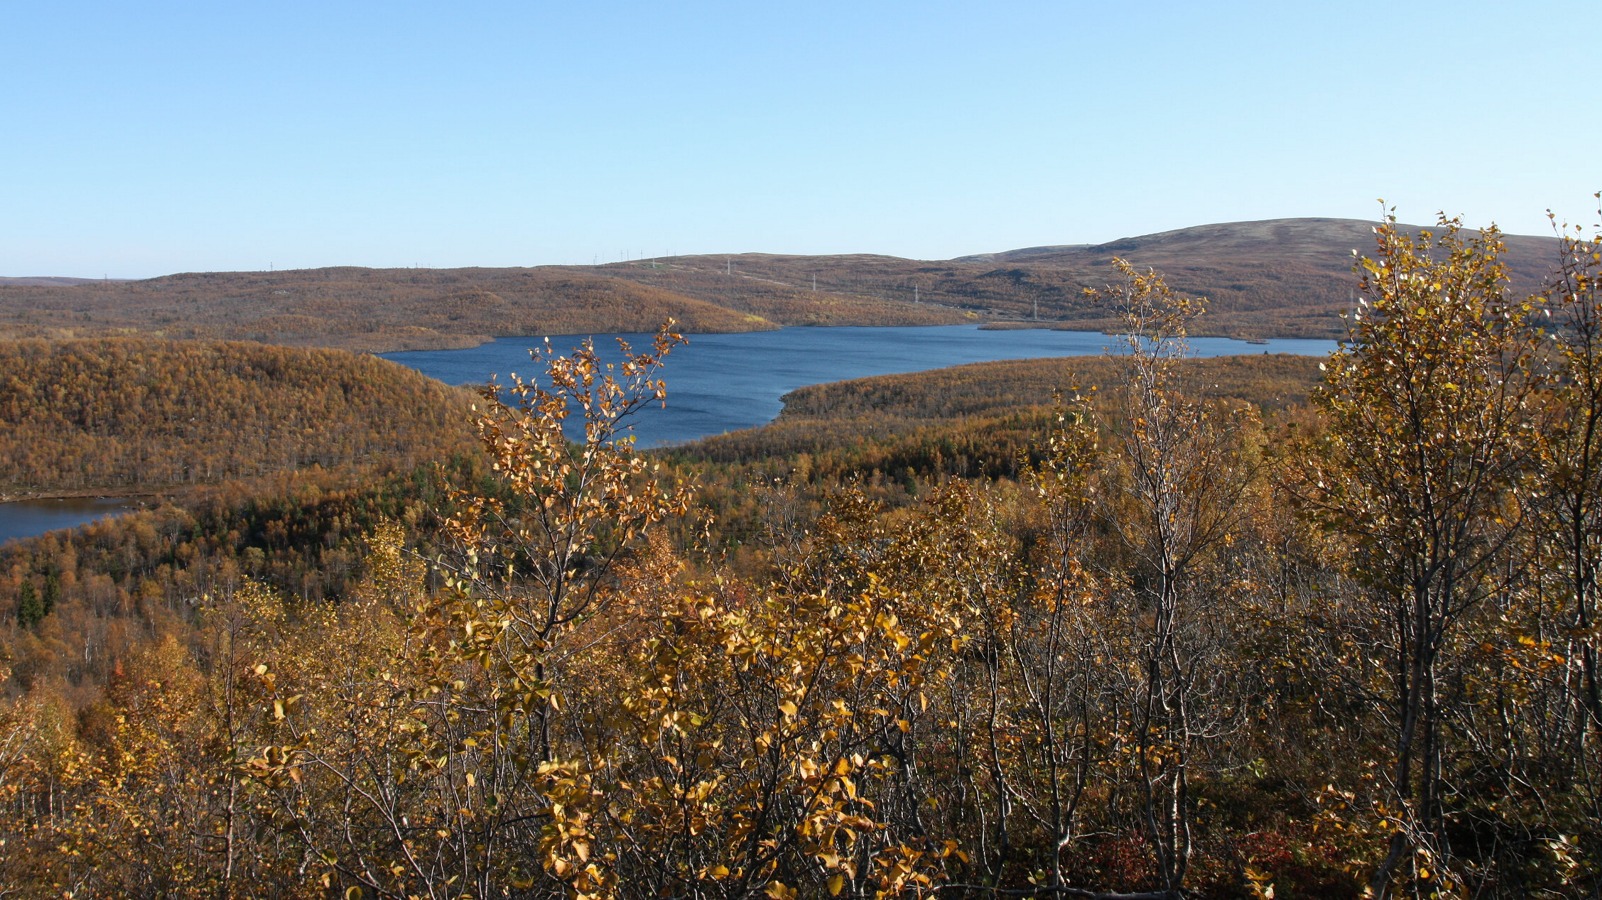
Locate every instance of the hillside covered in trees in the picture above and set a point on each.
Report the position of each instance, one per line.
(126, 415)
(1234, 628)
(1276, 278)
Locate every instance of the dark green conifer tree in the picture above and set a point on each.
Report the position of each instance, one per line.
(30, 608)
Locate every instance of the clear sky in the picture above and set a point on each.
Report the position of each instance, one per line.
(144, 138)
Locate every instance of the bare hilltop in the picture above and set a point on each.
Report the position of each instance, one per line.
(1271, 278)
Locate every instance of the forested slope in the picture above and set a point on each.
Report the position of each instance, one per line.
(978, 420)
(139, 415)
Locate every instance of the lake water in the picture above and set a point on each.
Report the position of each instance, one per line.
(724, 382)
(27, 518)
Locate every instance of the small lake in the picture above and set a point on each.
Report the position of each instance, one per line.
(724, 382)
(27, 518)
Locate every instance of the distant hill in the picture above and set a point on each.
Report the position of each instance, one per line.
(51, 281)
(1291, 275)
(356, 308)
(1272, 278)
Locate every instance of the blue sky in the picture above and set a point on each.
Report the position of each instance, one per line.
(143, 138)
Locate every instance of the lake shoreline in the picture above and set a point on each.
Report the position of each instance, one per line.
(23, 520)
(28, 496)
(717, 383)
(1106, 327)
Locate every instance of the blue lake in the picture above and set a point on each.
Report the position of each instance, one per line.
(26, 518)
(723, 382)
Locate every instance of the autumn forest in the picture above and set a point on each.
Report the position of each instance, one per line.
(1132, 627)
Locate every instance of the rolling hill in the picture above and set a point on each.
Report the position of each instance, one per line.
(125, 415)
(1272, 278)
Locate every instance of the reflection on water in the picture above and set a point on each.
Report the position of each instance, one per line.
(27, 518)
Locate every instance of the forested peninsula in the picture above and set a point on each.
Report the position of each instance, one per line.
(145, 415)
